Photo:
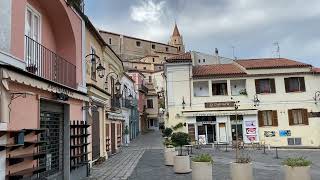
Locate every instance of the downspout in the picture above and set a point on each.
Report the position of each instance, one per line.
(190, 86)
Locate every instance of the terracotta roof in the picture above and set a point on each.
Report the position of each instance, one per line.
(185, 57)
(315, 70)
(266, 63)
(176, 31)
(217, 70)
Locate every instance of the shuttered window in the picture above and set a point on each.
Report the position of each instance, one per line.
(268, 118)
(298, 116)
(295, 84)
(264, 86)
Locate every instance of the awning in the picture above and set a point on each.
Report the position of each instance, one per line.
(115, 116)
(218, 113)
(51, 87)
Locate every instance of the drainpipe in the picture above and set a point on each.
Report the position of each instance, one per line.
(190, 85)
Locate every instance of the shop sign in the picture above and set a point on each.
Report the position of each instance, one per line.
(252, 138)
(251, 131)
(314, 114)
(219, 104)
(284, 133)
(202, 139)
(60, 90)
(269, 133)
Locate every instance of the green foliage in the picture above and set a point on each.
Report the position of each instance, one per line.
(243, 158)
(243, 92)
(180, 139)
(203, 158)
(167, 142)
(178, 126)
(167, 132)
(297, 162)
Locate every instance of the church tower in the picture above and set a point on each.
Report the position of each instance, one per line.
(176, 39)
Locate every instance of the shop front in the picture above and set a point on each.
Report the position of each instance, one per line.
(114, 132)
(222, 127)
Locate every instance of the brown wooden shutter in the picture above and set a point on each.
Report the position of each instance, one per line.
(191, 132)
(302, 84)
(273, 86)
(257, 83)
(260, 118)
(290, 117)
(274, 118)
(286, 84)
(305, 118)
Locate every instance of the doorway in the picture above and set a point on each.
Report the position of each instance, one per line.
(95, 135)
(113, 138)
(234, 129)
(209, 131)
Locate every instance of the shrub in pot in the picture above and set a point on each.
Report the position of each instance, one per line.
(181, 162)
(126, 133)
(297, 168)
(202, 167)
(241, 169)
(167, 132)
(169, 155)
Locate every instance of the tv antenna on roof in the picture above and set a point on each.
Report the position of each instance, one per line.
(233, 52)
(278, 49)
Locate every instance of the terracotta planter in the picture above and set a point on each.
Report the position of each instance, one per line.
(241, 171)
(169, 157)
(181, 164)
(201, 170)
(297, 173)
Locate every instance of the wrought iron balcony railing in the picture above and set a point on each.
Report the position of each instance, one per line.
(126, 103)
(115, 103)
(143, 88)
(45, 63)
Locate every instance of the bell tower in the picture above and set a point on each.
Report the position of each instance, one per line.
(176, 39)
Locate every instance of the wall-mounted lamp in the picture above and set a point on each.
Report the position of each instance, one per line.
(256, 101)
(316, 97)
(183, 103)
(100, 69)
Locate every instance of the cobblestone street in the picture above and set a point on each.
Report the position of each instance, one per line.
(143, 159)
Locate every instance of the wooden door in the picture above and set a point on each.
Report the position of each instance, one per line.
(95, 135)
(113, 138)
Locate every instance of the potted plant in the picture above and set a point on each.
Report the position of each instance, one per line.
(241, 169)
(167, 132)
(202, 167)
(181, 162)
(297, 168)
(243, 92)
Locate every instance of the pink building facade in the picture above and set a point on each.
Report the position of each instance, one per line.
(43, 132)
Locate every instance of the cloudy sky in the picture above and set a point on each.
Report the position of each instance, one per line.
(252, 27)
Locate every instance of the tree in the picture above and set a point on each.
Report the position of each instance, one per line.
(167, 132)
(180, 139)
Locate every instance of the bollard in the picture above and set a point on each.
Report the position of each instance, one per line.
(277, 156)
(226, 147)
(269, 147)
(264, 149)
(212, 145)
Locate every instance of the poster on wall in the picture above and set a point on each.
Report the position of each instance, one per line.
(269, 133)
(284, 133)
(251, 131)
(202, 139)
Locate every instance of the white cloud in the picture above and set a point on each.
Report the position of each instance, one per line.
(147, 11)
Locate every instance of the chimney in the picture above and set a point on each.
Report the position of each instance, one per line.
(217, 55)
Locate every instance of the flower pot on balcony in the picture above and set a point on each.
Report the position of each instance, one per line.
(32, 69)
(169, 157)
(241, 171)
(181, 164)
(297, 173)
(201, 170)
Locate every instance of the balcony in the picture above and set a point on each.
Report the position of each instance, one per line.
(127, 103)
(42, 62)
(143, 88)
(115, 103)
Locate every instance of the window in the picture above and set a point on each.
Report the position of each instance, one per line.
(201, 88)
(204, 60)
(110, 41)
(153, 46)
(152, 59)
(93, 65)
(165, 58)
(135, 67)
(298, 116)
(138, 43)
(144, 67)
(151, 122)
(199, 61)
(32, 28)
(149, 103)
(150, 79)
(294, 141)
(294, 84)
(265, 86)
(268, 118)
(167, 49)
(219, 88)
(160, 67)
(179, 49)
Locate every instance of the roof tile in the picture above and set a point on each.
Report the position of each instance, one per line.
(266, 63)
(185, 57)
(217, 70)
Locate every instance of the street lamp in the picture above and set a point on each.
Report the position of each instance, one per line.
(256, 100)
(100, 69)
(236, 107)
(316, 97)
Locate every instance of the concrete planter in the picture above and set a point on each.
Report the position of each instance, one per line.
(169, 157)
(169, 149)
(201, 170)
(297, 173)
(181, 164)
(241, 171)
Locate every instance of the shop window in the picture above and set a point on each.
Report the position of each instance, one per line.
(219, 88)
(294, 84)
(201, 88)
(153, 46)
(149, 103)
(138, 43)
(298, 116)
(151, 122)
(265, 86)
(268, 118)
(294, 141)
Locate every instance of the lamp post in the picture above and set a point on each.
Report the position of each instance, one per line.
(100, 69)
(236, 107)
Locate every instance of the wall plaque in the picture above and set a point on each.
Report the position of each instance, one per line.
(219, 104)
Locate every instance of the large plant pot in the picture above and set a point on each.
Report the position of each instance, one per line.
(297, 173)
(169, 149)
(169, 157)
(241, 171)
(181, 164)
(201, 170)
